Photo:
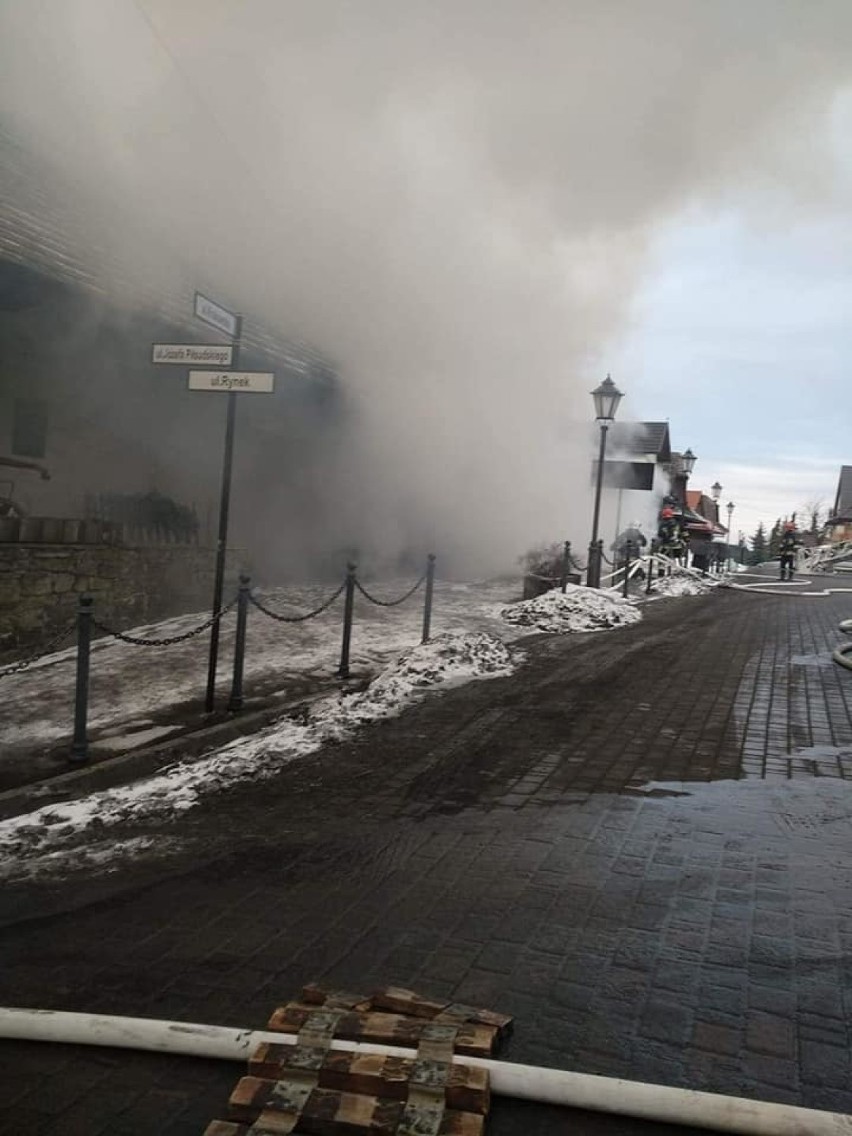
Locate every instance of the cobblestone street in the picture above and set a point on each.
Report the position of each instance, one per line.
(639, 845)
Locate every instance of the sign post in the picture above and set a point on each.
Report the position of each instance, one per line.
(231, 382)
(224, 507)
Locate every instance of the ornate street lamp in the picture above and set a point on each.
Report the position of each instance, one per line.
(607, 397)
(688, 460)
(716, 493)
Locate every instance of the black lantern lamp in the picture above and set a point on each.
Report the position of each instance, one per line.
(607, 397)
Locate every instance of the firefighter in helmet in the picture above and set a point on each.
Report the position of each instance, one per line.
(788, 545)
(669, 533)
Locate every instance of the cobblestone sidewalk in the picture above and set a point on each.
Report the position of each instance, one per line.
(640, 845)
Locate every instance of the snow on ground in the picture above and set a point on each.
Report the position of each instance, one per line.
(579, 609)
(683, 582)
(39, 842)
(471, 623)
(131, 683)
(445, 660)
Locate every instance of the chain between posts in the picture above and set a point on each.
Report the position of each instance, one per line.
(22, 664)
(170, 640)
(389, 603)
(296, 618)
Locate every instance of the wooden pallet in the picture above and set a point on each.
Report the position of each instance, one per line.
(306, 1087)
(396, 1000)
(465, 1088)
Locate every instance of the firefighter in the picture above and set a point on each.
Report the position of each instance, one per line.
(672, 534)
(668, 530)
(789, 544)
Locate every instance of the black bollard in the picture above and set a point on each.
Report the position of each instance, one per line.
(348, 609)
(235, 702)
(80, 743)
(652, 567)
(592, 567)
(566, 564)
(427, 603)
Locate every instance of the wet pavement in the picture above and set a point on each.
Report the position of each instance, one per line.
(640, 845)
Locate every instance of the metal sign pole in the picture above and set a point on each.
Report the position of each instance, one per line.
(222, 541)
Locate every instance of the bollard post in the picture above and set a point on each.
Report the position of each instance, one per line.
(80, 743)
(348, 609)
(427, 603)
(592, 577)
(652, 567)
(235, 702)
(628, 548)
(599, 559)
(566, 564)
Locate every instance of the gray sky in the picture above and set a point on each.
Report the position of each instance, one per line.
(481, 206)
(741, 336)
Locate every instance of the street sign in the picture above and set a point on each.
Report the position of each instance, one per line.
(240, 382)
(214, 315)
(213, 354)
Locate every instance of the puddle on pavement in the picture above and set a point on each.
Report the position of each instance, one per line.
(807, 807)
(822, 659)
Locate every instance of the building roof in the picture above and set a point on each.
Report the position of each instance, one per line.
(632, 438)
(48, 226)
(693, 498)
(843, 500)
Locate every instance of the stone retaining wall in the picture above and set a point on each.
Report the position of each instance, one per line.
(40, 585)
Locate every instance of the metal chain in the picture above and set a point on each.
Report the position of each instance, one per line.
(171, 639)
(22, 664)
(389, 603)
(296, 618)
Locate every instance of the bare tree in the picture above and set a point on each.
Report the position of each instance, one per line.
(815, 510)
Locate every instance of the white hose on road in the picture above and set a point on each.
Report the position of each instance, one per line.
(528, 1082)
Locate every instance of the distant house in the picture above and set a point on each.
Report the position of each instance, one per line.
(839, 524)
(704, 514)
(636, 478)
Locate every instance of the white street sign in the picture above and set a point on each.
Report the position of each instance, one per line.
(215, 315)
(213, 354)
(243, 382)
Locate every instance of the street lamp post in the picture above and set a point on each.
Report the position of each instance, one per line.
(730, 508)
(607, 397)
(687, 465)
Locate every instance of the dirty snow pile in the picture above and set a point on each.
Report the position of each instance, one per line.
(446, 660)
(682, 582)
(579, 609)
(39, 842)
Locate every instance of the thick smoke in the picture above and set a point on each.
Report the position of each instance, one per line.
(452, 198)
